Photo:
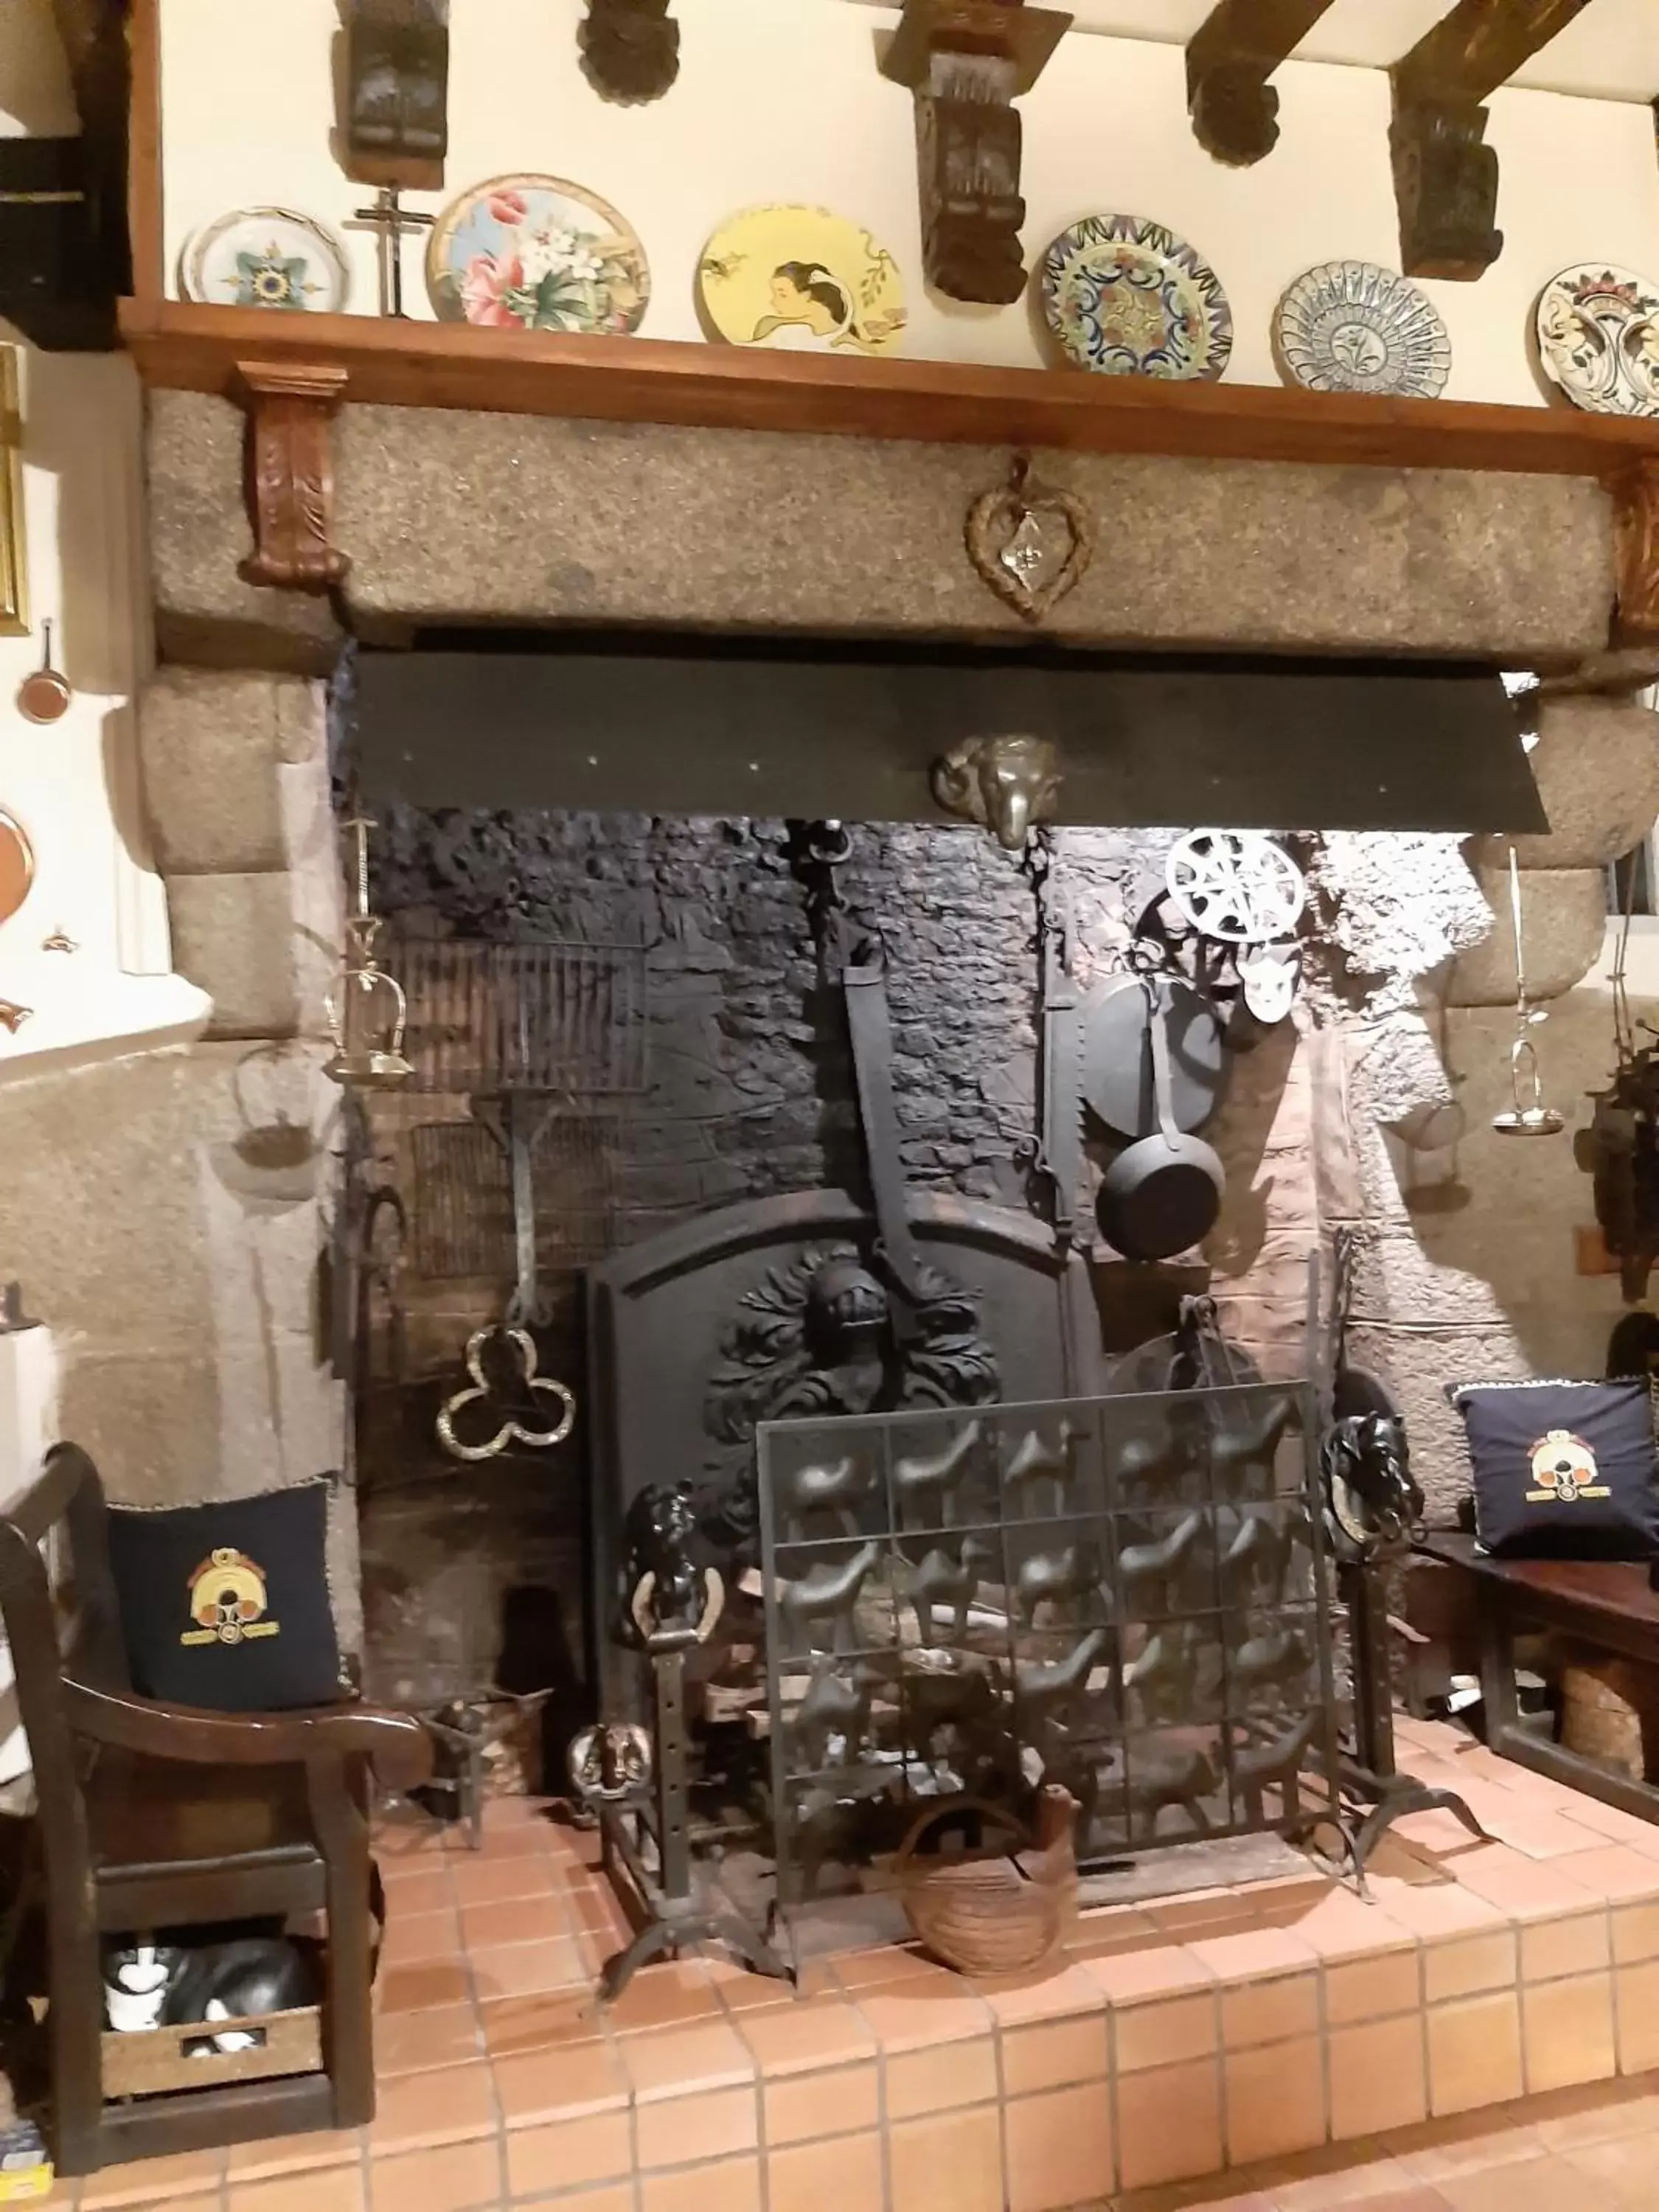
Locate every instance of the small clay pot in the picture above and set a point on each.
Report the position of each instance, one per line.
(44, 696)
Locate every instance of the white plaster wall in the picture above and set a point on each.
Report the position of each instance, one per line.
(781, 99)
(73, 785)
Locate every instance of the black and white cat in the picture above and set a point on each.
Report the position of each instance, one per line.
(149, 1984)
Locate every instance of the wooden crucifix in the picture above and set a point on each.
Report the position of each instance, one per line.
(1445, 176)
(392, 223)
(965, 63)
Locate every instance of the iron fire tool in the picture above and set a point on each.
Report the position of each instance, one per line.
(1054, 1156)
(642, 1795)
(1373, 1508)
(515, 1124)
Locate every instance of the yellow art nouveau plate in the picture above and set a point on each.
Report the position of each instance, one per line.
(802, 280)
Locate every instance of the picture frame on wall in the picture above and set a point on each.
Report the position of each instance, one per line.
(14, 545)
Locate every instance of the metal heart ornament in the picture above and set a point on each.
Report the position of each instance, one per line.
(1031, 542)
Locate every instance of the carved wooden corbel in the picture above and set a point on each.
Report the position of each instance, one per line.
(1230, 58)
(631, 49)
(290, 474)
(1445, 175)
(1637, 492)
(397, 92)
(966, 62)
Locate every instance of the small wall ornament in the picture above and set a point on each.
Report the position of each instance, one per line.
(1031, 542)
(1009, 784)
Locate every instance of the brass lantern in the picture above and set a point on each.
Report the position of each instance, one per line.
(366, 1010)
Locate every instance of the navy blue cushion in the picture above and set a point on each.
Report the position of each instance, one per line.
(227, 1607)
(1563, 1470)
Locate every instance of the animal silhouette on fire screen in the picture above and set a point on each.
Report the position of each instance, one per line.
(1126, 1595)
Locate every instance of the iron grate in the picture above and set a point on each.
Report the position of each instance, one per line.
(461, 1220)
(484, 1020)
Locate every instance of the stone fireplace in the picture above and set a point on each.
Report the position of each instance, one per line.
(211, 1184)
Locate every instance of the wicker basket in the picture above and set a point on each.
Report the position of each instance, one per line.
(989, 1911)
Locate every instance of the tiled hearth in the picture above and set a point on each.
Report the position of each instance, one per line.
(1244, 2029)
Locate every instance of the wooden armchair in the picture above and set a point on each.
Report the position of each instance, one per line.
(152, 1816)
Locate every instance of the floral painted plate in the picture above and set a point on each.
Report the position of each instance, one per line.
(1129, 298)
(265, 256)
(1598, 338)
(1352, 326)
(536, 253)
(802, 280)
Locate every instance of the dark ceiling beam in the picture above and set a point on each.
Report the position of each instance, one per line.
(1479, 46)
(1445, 175)
(1230, 58)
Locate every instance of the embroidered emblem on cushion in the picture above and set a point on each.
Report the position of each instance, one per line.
(227, 1600)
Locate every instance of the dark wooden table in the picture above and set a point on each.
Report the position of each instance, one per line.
(1608, 1605)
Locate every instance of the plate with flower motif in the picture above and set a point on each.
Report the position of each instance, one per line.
(537, 253)
(266, 257)
(1353, 326)
(801, 280)
(1598, 338)
(1129, 298)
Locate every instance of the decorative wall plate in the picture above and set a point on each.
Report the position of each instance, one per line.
(1129, 298)
(537, 253)
(1598, 338)
(265, 256)
(1352, 326)
(801, 279)
(16, 865)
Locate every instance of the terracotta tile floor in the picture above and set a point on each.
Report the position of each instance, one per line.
(1276, 2049)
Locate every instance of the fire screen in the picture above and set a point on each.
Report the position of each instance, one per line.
(1126, 1595)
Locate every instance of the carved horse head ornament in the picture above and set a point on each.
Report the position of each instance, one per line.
(1372, 1500)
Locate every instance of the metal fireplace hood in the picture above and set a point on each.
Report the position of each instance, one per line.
(780, 727)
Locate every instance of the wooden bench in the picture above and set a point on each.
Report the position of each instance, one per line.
(1608, 1605)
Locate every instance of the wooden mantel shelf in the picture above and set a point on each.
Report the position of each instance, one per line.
(291, 372)
(410, 364)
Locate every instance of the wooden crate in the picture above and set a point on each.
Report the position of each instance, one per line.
(153, 2062)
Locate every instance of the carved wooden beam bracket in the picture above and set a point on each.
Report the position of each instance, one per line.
(1230, 58)
(290, 473)
(1636, 492)
(395, 121)
(966, 62)
(631, 49)
(1445, 175)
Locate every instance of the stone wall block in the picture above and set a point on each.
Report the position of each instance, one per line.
(1564, 919)
(449, 516)
(213, 745)
(233, 936)
(1597, 765)
(194, 1214)
(1396, 1276)
(199, 538)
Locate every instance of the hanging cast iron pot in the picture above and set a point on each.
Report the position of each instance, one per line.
(1162, 1195)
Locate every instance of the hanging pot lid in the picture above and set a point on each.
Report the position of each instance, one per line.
(1117, 1056)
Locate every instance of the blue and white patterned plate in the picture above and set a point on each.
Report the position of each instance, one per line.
(1352, 326)
(1129, 298)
